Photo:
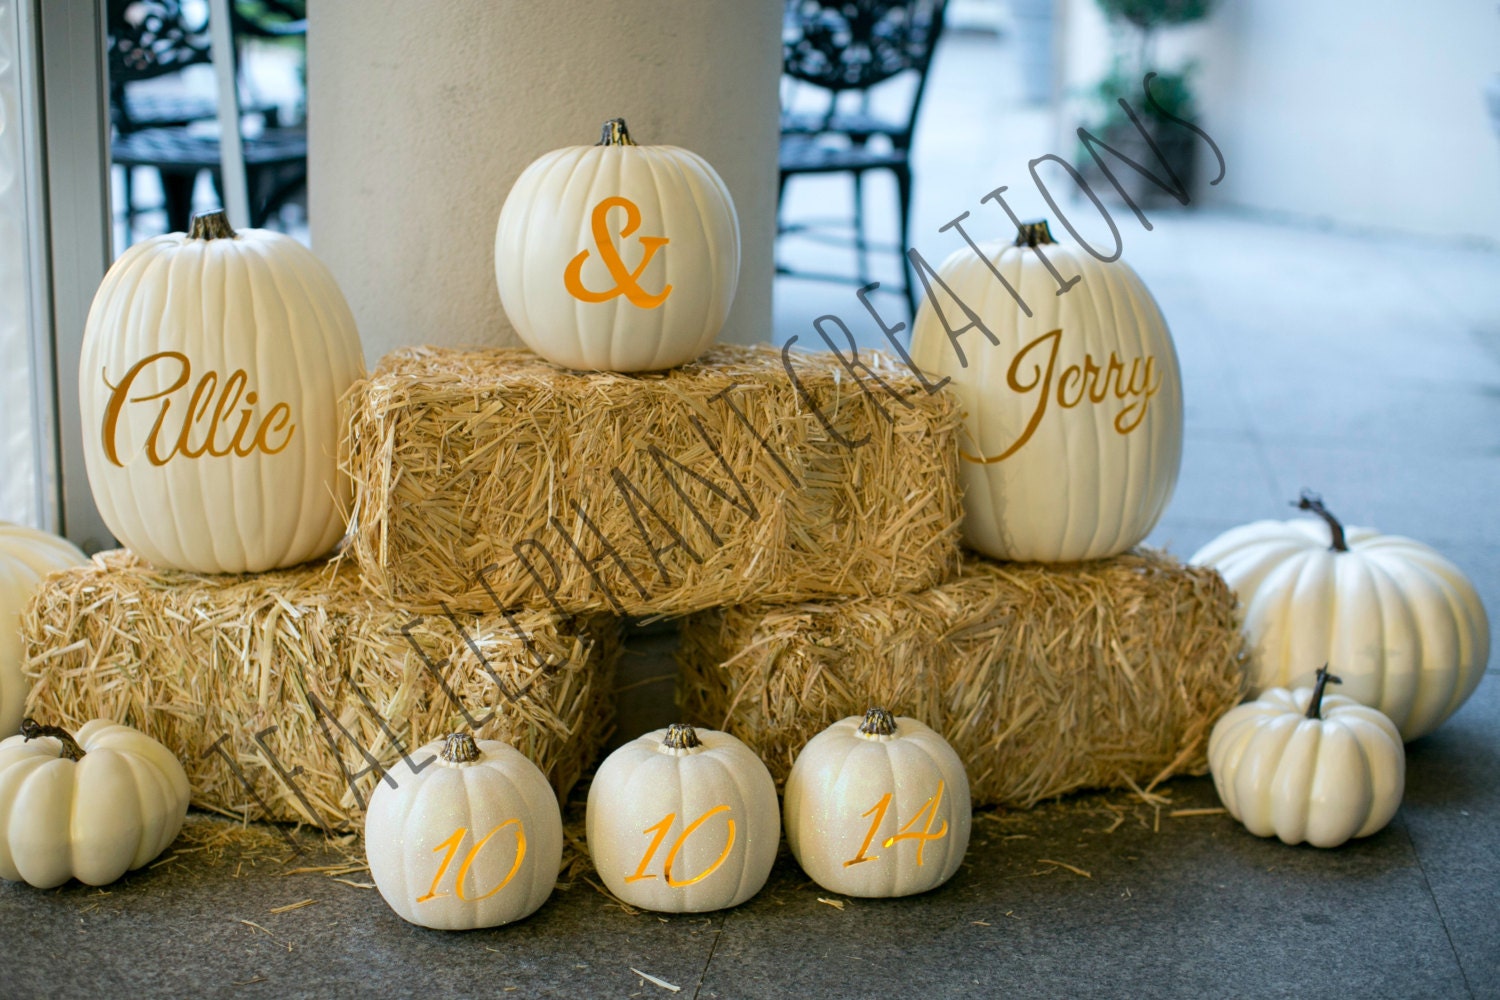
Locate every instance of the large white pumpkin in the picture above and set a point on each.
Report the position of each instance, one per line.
(618, 257)
(1303, 766)
(683, 821)
(209, 383)
(878, 806)
(89, 806)
(473, 839)
(1073, 421)
(26, 555)
(1403, 625)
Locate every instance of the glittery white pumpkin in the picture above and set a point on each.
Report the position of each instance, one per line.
(683, 821)
(878, 806)
(472, 839)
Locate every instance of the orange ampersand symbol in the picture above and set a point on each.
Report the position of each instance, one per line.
(627, 283)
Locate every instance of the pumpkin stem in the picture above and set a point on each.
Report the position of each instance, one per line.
(681, 737)
(70, 748)
(1033, 234)
(1315, 705)
(878, 722)
(615, 134)
(211, 226)
(460, 748)
(1311, 501)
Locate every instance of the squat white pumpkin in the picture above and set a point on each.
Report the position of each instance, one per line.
(618, 257)
(473, 839)
(91, 807)
(878, 806)
(1404, 624)
(26, 555)
(1073, 411)
(1308, 767)
(683, 821)
(209, 385)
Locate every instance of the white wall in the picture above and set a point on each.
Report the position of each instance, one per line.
(423, 114)
(1365, 113)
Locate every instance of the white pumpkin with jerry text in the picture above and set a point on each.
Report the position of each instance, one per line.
(1072, 415)
(209, 384)
(618, 256)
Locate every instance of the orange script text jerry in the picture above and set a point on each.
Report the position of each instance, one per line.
(211, 422)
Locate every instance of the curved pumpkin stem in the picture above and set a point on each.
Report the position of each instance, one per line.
(32, 730)
(878, 722)
(1315, 703)
(615, 134)
(1310, 501)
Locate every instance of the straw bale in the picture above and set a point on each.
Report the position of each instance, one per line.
(192, 660)
(649, 494)
(1046, 679)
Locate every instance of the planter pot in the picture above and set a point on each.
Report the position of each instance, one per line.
(1177, 146)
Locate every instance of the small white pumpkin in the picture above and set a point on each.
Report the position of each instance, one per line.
(26, 555)
(878, 806)
(471, 838)
(91, 807)
(209, 384)
(1404, 624)
(683, 821)
(1073, 420)
(1308, 767)
(618, 257)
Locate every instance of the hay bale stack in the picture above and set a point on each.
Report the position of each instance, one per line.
(722, 481)
(1044, 679)
(301, 661)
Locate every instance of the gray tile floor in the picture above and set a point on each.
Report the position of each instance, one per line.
(1367, 367)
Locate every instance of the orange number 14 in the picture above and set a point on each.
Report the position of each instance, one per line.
(878, 810)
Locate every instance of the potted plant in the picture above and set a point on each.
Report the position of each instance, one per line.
(1136, 24)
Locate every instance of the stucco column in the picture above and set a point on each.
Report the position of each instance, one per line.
(423, 114)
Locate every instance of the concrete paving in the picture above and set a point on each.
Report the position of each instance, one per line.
(1362, 365)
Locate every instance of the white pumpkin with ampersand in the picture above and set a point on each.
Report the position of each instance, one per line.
(618, 257)
(26, 555)
(1073, 420)
(683, 821)
(1305, 766)
(878, 806)
(1404, 625)
(209, 385)
(472, 839)
(91, 806)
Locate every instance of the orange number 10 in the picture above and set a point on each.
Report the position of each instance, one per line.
(451, 847)
(661, 829)
(929, 809)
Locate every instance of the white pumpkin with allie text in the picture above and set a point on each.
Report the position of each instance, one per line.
(209, 383)
(1072, 433)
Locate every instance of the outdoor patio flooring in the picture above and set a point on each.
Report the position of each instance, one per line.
(1364, 366)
